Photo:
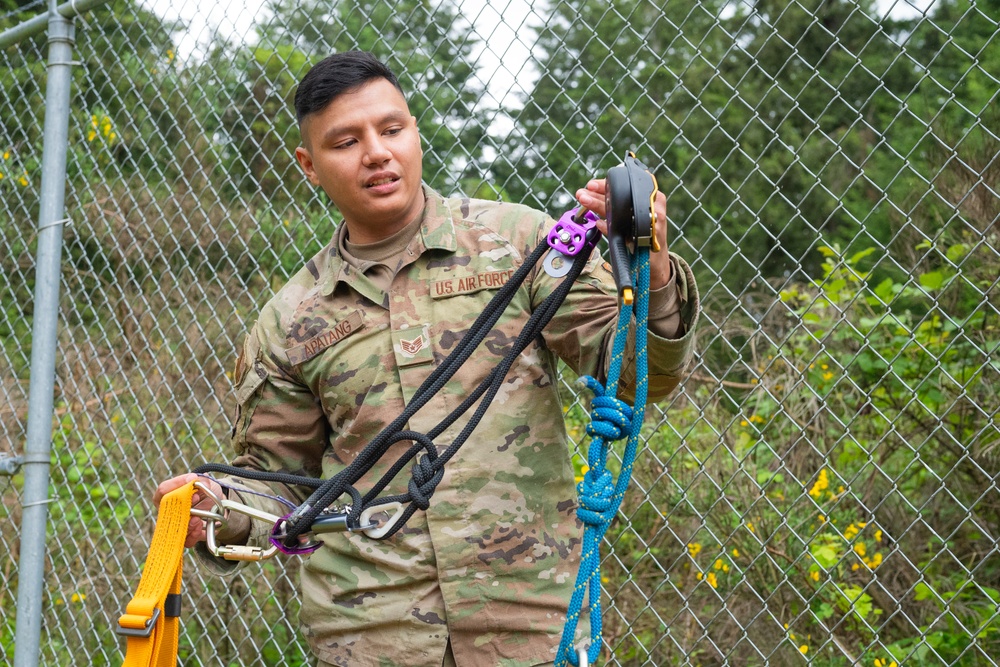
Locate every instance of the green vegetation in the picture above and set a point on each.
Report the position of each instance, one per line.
(823, 488)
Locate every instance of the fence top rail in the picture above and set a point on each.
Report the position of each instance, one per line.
(37, 24)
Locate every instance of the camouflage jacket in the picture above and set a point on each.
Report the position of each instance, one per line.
(333, 359)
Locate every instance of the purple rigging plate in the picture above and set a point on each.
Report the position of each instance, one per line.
(569, 236)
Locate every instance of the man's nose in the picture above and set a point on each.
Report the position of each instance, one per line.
(376, 152)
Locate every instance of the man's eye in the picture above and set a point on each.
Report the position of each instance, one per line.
(394, 131)
(345, 144)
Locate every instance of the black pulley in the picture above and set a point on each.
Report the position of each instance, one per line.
(629, 198)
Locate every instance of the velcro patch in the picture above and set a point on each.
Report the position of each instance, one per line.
(341, 330)
(472, 283)
(413, 346)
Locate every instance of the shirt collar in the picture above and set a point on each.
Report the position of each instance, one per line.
(436, 233)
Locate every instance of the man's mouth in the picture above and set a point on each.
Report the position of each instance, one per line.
(381, 181)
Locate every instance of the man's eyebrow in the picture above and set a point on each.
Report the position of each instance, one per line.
(390, 117)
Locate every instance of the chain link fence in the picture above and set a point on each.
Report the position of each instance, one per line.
(823, 488)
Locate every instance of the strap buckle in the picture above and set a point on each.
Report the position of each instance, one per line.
(148, 625)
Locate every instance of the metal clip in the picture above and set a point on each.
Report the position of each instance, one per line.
(238, 552)
(377, 530)
(334, 520)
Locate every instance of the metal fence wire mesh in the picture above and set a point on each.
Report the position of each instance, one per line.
(823, 487)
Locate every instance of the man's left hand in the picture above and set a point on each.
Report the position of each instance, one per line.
(592, 198)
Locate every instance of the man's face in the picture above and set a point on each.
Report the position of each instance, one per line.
(363, 149)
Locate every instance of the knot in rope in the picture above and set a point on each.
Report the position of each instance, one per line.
(596, 491)
(610, 417)
(423, 481)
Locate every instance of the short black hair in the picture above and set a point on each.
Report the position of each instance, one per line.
(336, 75)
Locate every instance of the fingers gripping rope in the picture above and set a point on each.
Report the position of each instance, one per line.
(600, 495)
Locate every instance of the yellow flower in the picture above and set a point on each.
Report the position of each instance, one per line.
(6, 155)
(814, 575)
(878, 535)
(822, 518)
(23, 181)
(743, 422)
(1, 175)
(821, 484)
(803, 649)
(827, 376)
(750, 526)
(718, 564)
(694, 548)
(879, 662)
(698, 575)
(725, 568)
(170, 55)
(824, 366)
(91, 135)
(78, 597)
(854, 568)
(736, 552)
(860, 549)
(712, 581)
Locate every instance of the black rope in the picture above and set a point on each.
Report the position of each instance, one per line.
(427, 471)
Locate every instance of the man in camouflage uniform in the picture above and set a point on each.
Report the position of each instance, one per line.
(484, 576)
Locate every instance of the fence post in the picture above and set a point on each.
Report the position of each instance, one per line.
(51, 212)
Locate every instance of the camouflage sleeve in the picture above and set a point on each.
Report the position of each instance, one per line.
(582, 331)
(279, 427)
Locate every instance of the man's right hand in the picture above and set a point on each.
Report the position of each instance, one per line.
(196, 526)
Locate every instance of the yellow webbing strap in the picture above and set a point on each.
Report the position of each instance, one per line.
(150, 621)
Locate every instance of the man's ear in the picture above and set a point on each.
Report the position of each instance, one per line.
(420, 138)
(306, 162)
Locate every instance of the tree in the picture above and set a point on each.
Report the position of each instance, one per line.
(758, 120)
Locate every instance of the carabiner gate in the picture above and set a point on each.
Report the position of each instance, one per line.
(218, 517)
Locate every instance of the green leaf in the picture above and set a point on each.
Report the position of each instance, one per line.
(923, 592)
(826, 555)
(824, 611)
(932, 280)
(886, 289)
(858, 256)
(957, 252)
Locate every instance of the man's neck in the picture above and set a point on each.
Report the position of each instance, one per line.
(365, 232)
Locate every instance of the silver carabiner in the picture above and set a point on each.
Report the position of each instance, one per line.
(223, 506)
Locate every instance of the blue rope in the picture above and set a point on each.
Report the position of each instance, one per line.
(600, 495)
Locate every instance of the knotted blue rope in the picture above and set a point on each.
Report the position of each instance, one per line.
(600, 495)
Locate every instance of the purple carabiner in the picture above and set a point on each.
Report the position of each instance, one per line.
(306, 548)
(569, 236)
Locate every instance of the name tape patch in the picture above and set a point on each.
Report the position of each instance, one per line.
(341, 330)
(469, 284)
